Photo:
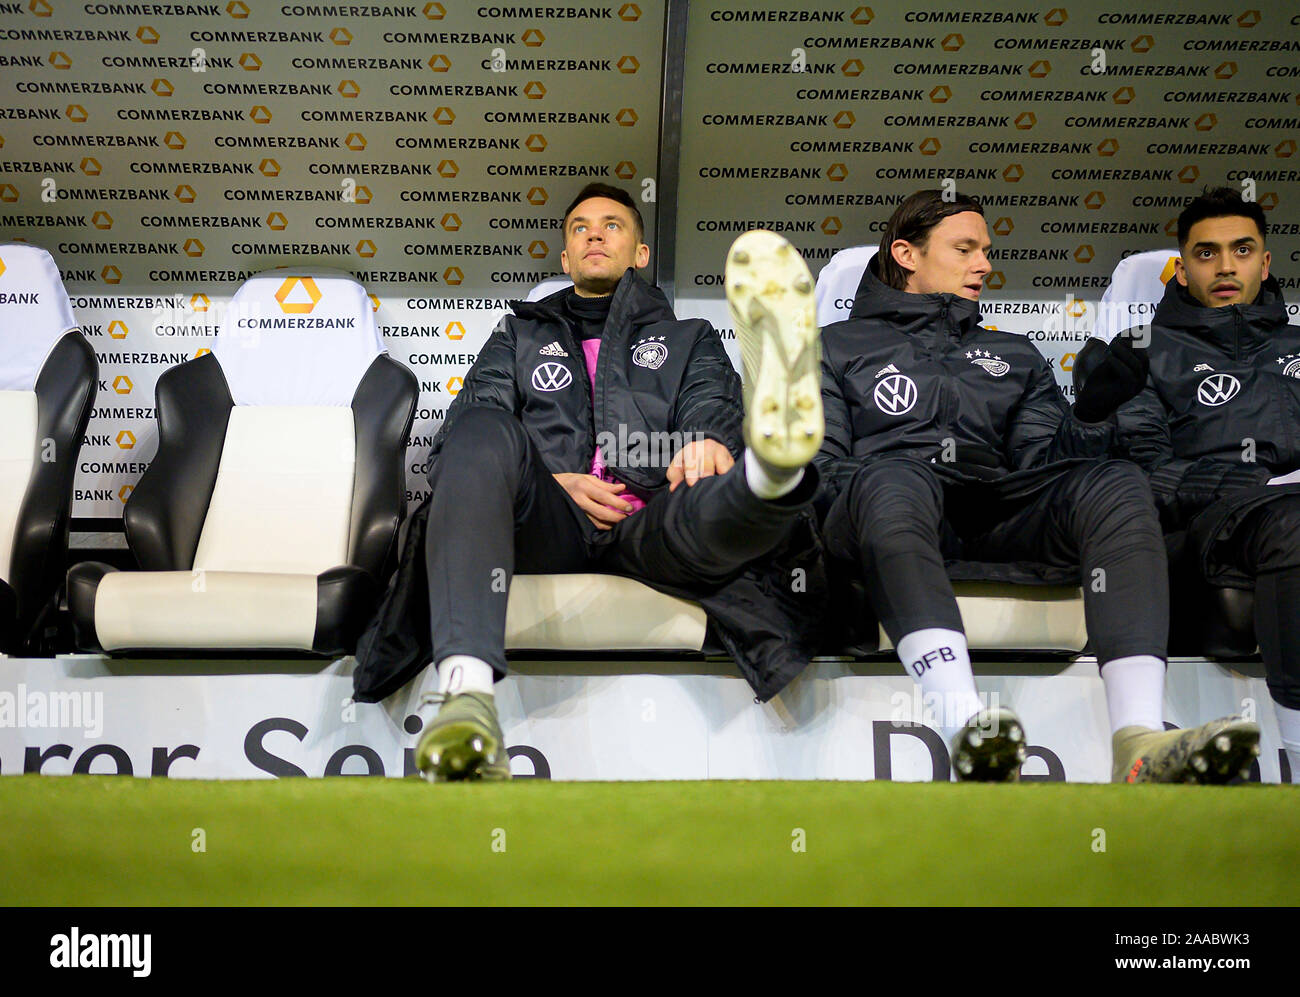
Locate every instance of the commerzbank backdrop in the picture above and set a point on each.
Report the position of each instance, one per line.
(165, 152)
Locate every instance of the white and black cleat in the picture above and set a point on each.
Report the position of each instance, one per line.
(990, 747)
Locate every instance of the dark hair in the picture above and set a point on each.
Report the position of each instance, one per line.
(1221, 202)
(912, 221)
(614, 194)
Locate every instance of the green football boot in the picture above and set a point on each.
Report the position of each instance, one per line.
(463, 741)
(989, 748)
(1213, 753)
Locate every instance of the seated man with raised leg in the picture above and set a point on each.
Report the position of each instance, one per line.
(537, 467)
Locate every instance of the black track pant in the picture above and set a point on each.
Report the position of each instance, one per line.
(496, 510)
(1098, 517)
(1267, 545)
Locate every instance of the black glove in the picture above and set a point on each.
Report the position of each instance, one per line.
(1106, 376)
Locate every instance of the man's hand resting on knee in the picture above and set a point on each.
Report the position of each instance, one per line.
(698, 459)
(597, 498)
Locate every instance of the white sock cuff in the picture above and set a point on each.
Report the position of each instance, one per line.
(1135, 692)
(459, 673)
(763, 484)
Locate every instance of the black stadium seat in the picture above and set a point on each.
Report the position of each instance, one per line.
(268, 519)
(48, 377)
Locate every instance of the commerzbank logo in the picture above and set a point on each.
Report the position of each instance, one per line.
(298, 288)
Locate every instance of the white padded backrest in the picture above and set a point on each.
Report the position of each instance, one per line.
(549, 286)
(34, 314)
(838, 282)
(283, 496)
(1136, 287)
(297, 337)
(17, 454)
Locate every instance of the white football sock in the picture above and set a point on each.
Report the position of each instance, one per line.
(1135, 692)
(459, 673)
(1288, 723)
(939, 661)
(769, 484)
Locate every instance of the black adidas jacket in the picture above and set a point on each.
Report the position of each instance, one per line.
(1220, 379)
(907, 372)
(655, 374)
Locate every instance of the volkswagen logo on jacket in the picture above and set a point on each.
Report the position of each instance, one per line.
(551, 376)
(895, 394)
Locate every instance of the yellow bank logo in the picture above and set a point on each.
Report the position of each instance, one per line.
(101, 220)
(250, 61)
(447, 169)
(60, 60)
(1188, 174)
(341, 36)
(124, 492)
(454, 330)
(1003, 226)
(628, 64)
(1013, 173)
(453, 275)
(1056, 17)
(8, 193)
(122, 384)
(162, 87)
(853, 67)
(237, 9)
(111, 275)
(538, 249)
(444, 115)
(349, 88)
(75, 112)
(260, 114)
(40, 8)
(837, 171)
(1084, 254)
(537, 196)
(1040, 69)
(439, 63)
(995, 280)
(534, 90)
(355, 141)
(366, 249)
(184, 193)
(831, 225)
(629, 12)
(533, 38)
(929, 146)
(298, 286)
(117, 329)
(1168, 271)
(126, 439)
(1107, 147)
(451, 222)
(454, 384)
(199, 303)
(269, 168)
(2, 267)
(626, 117)
(863, 15)
(952, 42)
(147, 35)
(434, 11)
(535, 143)
(624, 170)
(276, 221)
(193, 248)
(174, 140)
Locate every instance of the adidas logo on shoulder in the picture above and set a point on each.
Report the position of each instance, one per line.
(891, 369)
(553, 350)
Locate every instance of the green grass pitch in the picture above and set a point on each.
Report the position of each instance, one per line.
(99, 840)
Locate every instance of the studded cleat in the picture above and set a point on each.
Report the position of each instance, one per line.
(770, 295)
(463, 741)
(990, 748)
(1214, 753)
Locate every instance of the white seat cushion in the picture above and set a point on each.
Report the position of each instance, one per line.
(34, 313)
(838, 283)
(297, 337)
(18, 413)
(1000, 617)
(205, 609)
(1136, 287)
(283, 497)
(589, 612)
